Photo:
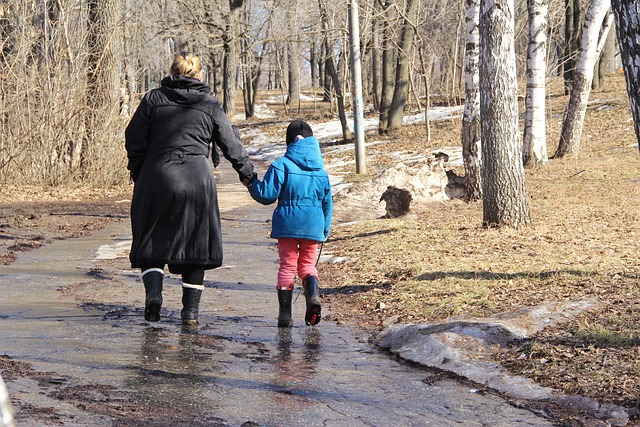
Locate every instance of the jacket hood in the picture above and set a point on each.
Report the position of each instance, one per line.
(184, 90)
(306, 153)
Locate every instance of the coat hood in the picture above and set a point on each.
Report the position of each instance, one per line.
(306, 154)
(184, 90)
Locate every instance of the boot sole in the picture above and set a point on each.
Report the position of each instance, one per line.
(313, 315)
(190, 322)
(152, 311)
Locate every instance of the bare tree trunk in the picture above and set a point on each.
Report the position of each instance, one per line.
(572, 27)
(598, 69)
(455, 83)
(331, 70)
(6, 409)
(323, 73)
(230, 61)
(505, 200)
(627, 15)
(535, 132)
(252, 73)
(376, 69)
(386, 93)
(471, 141)
(101, 89)
(313, 63)
(596, 27)
(604, 61)
(396, 109)
(216, 81)
(427, 91)
(293, 92)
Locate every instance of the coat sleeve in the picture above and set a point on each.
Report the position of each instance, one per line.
(327, 209)
(136, 137)
(268, 190)
(228, 139)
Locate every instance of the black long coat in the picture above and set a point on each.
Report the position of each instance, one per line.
(174, 212)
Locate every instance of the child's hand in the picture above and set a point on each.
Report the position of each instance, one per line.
(247, 181)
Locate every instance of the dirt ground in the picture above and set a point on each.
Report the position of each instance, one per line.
(440, 262)
(31, 217)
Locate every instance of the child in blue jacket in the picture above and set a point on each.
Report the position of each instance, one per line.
(302, 218)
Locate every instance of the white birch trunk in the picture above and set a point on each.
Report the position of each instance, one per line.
(627, 14)
(471, 142)
(597, 24)
(504, 194)
(535, 134)
(6, 410)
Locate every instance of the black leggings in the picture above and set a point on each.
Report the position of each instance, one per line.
(191, 274)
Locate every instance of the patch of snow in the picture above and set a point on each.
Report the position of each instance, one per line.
(114, 251)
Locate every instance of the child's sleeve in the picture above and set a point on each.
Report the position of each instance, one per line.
(327, 208)
(268, 190)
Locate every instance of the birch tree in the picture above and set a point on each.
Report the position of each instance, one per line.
(534, 146)
(6, 409)
(597, 23)
(504, 194)
(471, 148)
(627, 16)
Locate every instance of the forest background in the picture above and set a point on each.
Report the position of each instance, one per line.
(72, 72)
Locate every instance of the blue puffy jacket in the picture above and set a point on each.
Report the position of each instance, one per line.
(300, 185)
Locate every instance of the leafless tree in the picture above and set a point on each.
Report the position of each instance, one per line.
(535, 137)
(401, 86)
(72, 70)
(597, 23)
(332, 71)
(572, 32)
(505, 200)
(471, 129)
(627, 16)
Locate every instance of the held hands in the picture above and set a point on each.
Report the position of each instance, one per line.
(247, 181)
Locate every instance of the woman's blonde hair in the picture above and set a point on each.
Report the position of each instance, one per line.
(188, 65)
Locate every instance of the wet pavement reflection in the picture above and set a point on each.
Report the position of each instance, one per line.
(79, 318)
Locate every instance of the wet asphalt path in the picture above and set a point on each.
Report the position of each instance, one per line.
(73, 309)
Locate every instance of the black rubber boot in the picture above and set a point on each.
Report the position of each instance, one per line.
(312, 295)
(284, 299)
(153, 288)
(190, 306)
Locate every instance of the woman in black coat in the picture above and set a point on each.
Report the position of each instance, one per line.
(174, 212)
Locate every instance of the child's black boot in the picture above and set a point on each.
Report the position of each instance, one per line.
(312, 295)
(284, 300)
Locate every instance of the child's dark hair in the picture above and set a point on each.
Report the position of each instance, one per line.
(297, 127)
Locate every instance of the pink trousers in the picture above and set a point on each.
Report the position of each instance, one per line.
(296, 255)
